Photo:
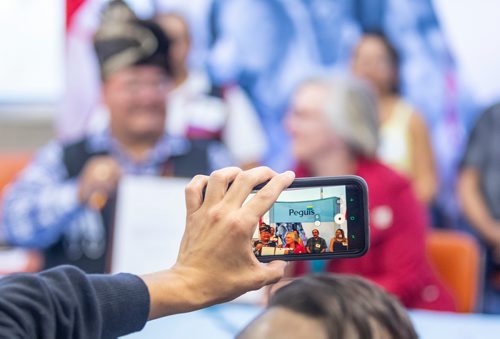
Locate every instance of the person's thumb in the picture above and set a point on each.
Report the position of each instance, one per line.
(274, 271)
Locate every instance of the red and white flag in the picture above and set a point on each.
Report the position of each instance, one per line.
(82, 83)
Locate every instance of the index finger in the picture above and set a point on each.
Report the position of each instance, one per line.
(245, 182)
(267, 196)
(193, 193)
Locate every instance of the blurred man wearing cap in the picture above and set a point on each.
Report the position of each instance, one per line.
(63, 202)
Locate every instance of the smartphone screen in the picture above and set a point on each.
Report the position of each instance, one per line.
(315, 218)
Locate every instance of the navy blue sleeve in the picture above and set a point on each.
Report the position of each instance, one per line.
(66, 303)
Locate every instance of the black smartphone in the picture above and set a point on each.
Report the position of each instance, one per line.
(315, 218)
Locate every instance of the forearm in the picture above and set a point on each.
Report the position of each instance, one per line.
(172, 292)
(425, 178)
(425, 187)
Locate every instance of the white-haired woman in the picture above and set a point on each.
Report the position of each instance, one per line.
(334, 129)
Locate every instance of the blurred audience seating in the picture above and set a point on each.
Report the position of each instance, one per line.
(459, 261)
(15, 260)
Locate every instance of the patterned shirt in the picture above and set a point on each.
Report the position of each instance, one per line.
(43, 204)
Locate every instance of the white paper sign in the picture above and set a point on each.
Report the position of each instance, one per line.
(149, 224)
(267, 251)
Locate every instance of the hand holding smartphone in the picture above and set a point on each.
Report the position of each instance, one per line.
(315, 218)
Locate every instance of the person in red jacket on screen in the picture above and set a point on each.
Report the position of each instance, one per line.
(334, 130)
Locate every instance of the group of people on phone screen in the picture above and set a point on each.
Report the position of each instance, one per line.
(291, 241)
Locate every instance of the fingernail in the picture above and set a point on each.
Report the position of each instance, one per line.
(290, 174)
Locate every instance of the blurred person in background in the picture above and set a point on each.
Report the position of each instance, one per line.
(334, 130)
(479, 192)
(63, 202)
(198, 109)
(405, 144)
(331, 306)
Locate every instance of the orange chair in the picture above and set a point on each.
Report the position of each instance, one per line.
(458, 260)
(10, 165)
